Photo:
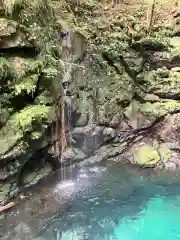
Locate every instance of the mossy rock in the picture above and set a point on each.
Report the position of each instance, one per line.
(20, 123)
(163, 81)
(175, 42)
(148, 155)
(159, 108)
(7, 27)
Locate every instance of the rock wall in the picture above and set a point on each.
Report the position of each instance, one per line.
(116, 81)
(127, 87)
(27, 71)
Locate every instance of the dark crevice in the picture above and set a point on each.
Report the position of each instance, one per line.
(149, 45)
(167, 96)
(19, 51)
(110, 62)
(43, 157)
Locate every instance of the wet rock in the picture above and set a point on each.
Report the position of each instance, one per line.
(21, 231)
(171, 166)
(73, 155)
(91, 137)
(33, 177)
(75, 43)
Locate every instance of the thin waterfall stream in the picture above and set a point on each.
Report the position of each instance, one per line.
(66, 106)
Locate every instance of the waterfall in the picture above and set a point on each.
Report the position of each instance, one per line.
(67, 89)
(66, 103)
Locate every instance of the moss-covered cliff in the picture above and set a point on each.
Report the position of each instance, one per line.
(119, 68)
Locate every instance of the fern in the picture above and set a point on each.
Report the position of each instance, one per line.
(4, 67)
(24, 119)
(28, 85)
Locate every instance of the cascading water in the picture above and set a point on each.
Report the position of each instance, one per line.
(66, 101)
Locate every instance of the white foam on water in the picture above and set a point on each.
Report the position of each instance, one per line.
(66, 184)
(83, 175)
(97, 169)
(65, 189)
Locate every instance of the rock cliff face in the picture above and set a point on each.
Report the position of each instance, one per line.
(116, 79)
(26, 72)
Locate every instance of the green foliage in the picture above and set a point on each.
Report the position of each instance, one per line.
(24, 119)
(116, 48)
(28, 85)
(4, 67)
(50, 72)
(33, 66)
(45, 98)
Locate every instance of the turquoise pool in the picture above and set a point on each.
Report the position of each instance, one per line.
(119, 203)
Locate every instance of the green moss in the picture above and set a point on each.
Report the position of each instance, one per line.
(18, 67)
(175, 42)
(22, 122)
(146, 155)
(149, 155)
(165, 154)
(33, 65)
(163, 81)
(50, 72)
(24, 119)
(159, 108)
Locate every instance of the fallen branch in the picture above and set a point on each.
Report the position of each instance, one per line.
(7, 206)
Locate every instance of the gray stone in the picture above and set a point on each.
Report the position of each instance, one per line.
(17, 40)
(171, 166)
(73, 154)
(109, 134)
(7, 27)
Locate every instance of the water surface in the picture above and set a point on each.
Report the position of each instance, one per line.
(110, 201)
